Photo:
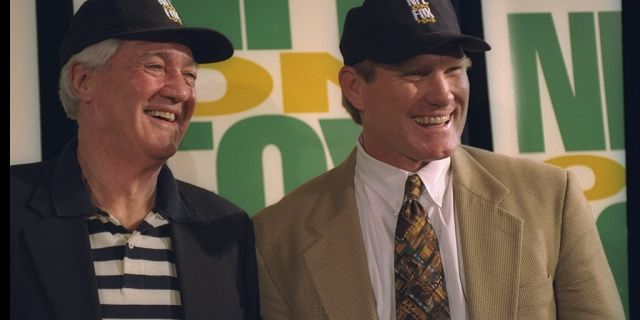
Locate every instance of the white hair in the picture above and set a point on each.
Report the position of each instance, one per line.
(93, 57)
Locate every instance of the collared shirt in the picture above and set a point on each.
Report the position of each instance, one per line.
(71, 197)
(135, 271)
(379, 189)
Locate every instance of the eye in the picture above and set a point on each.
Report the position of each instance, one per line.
(190, 77)
(414, 75)
(155, 68)
(456, 70)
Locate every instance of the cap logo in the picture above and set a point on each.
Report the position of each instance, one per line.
(170, 11)
(421, 11)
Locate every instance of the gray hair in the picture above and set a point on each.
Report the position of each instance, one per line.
(93, 57)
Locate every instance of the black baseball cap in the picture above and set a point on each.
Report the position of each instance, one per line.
(151, 20)
(391, 31)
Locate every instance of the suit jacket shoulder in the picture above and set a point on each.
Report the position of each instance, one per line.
(209, 205)
(23, 181)
(509, 168)
(522, 179)
(294, 214)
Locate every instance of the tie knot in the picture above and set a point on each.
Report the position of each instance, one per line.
(413, 187)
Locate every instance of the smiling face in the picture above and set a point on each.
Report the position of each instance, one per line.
(140, 104)
(414, 112)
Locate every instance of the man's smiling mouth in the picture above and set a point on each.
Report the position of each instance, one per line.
(163, 115)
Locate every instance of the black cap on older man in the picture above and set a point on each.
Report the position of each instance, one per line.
(151, 20)
(391, 31)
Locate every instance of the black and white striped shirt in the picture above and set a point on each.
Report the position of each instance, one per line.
(135, 271)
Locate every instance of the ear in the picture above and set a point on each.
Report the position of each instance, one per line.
(352, 85)
(81, 81)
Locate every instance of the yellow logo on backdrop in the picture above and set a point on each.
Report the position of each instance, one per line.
(609, 174)
(304, 84)
(248, 85)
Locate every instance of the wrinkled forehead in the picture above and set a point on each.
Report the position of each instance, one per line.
(132, 49)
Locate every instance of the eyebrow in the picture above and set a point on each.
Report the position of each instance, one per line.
(412, 64)
(164, 54)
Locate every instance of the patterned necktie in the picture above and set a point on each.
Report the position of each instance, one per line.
(421, 292)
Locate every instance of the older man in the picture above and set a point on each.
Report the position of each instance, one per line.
(104, 230)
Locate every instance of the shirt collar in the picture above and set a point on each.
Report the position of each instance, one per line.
(381, 176)
(151, 221)
(71, 197)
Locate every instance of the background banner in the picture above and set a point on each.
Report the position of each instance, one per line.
(555, 90)
(269, 118)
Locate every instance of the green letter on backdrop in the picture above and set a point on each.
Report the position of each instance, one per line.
(239, 157)
(575, 99)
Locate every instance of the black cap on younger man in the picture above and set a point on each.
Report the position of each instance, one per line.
(151, 20)
(391, 31)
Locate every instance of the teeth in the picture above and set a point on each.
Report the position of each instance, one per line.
(162, 114)
(431, 120)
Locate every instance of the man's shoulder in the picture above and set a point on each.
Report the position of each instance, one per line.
(27, 176)
(303, 197)
(507, 165)
(25, 181)
(206, 202)
(521, 176)
(28, 170)
(285, 228)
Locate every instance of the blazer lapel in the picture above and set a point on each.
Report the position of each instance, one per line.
(338, 261)
(60, 251)
(490, 239)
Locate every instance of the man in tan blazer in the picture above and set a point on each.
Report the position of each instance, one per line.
(516, 238)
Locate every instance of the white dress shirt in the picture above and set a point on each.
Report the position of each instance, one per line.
(379, 189)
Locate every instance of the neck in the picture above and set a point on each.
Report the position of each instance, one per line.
(400, 162)
(123, 190)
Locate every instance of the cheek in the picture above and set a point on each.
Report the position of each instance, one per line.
(189, 108)
(460, 88)
(461, 94)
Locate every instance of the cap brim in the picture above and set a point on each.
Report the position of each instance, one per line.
(469, 43)
(206, 45)
(402, 50)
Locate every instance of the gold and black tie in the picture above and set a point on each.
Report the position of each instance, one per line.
(421, 291)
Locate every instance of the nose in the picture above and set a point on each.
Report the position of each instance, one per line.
(176, 88)
(437, 90)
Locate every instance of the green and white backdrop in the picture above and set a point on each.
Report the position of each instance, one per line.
(556, 93)
(270, 118)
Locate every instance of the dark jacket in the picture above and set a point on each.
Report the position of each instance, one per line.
(52, 274)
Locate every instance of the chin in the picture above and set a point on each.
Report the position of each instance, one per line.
(162, 154)
(168, 153)
(441, 153)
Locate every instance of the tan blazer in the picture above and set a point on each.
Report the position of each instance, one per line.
(529, 246)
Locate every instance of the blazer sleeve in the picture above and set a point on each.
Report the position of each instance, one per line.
(584, 285)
